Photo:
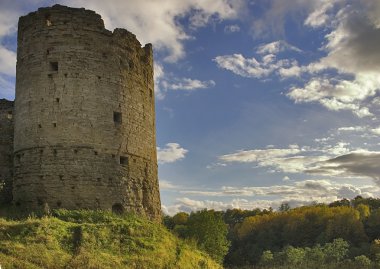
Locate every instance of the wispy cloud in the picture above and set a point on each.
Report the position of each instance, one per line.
(171, 153)
(165, 82)
(265, 64)
(233, 28)
(359, 164)
(293, 159)
(296, 194)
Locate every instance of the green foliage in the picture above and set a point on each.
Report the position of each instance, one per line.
(180, 218)
(210, 231)
(94, 239)
(362, 262)
(267, 258)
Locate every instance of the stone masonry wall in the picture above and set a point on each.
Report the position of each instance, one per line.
(84, 115)
(6, 150)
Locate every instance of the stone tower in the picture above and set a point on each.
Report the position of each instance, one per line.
(84, 119)
(6, 150)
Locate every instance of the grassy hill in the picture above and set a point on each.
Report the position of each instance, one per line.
(91, 239)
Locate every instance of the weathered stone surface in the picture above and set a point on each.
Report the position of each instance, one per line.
(84, 115)
(6, 150)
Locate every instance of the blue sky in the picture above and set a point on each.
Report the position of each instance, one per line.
(257, 102)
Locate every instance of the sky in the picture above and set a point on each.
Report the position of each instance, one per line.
(258, 102)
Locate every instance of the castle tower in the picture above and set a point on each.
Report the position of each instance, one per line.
(6, 150)
(84, 115)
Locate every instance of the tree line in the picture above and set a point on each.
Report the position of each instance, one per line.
(345, 234)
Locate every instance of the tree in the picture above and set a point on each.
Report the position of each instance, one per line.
(266, 258)
(284, 207)
(180, 218)
(336, 251)
(209, 229)
(362, 262)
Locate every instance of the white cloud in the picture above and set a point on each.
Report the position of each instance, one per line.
(351, 49)
(352, 129)
(165, 82)
(339, 94)
(320, 15)
(296, 194)
(157, 21)
(173, 152)
(293, 159)
(276, 47)
(189, 84)
(232, 28)
(267, 65)
(167, 185)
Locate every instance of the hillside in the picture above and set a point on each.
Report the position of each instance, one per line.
(91, 239)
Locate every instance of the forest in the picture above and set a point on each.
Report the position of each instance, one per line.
(342, 234)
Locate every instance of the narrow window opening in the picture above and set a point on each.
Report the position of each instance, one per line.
(54, 124)
(61, 177)
(113, 156)
(47, 52)
(39, 126)
(75, 151)
(65, 75)
(123, 160)
(117, 117)
(151, 93)
(57, 100)
(53, 66)
(48, 20)
(95, 152)
(55, 152)
(59, 203)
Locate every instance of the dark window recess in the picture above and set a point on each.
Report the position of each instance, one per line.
(40, 201)
(54, 124)
(57, 100)
(117, 117)
(95, 152)
(53, 66)
(55, 152)
(61, 177)
(151, 93)
(123, 160)
(59, 203)
(39, 126)
(75, 151)
(118, 209)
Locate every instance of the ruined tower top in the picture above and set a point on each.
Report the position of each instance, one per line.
(84, 115)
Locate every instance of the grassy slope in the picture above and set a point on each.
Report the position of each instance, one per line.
(88, 239)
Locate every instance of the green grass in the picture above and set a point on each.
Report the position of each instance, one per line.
(94, 239)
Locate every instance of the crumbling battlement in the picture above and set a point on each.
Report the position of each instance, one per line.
(84, 117)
